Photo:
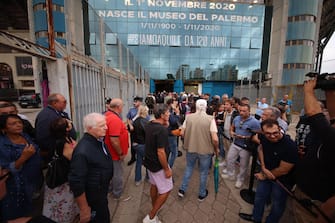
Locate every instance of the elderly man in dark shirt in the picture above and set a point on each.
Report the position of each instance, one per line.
(91, 171)
(55, 109)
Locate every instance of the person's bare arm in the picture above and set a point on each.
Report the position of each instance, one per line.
(130, 124)
(328, 208)
(28, 151)
(330, 100)
(215, 141)
(283, 169)
(265, 174)
(85, 210)
(232, 130)
(115, 141)
(311, 103)
(163, 161)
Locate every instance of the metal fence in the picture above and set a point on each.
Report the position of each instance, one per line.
(90, 83)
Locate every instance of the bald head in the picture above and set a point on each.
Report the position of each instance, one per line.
(116, 105)
(57, 101)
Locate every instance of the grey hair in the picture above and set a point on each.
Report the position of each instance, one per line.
(159, 110)
(201, 105)
(91, 120)
(275, 112)
(52, 98)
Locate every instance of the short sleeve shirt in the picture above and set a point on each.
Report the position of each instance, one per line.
(156, 136)
(244, 128)
(132, 113)
(116, 128)
(283, 150)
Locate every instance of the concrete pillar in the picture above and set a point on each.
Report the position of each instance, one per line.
(58, 79)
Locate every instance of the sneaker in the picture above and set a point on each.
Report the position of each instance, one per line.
(130, 162)
(148, 220)
(181, 193)
(238, 184)
(122, 198)
(202, 198)
(227, 176)
(223, 163)
(138, 183)
(180, 153)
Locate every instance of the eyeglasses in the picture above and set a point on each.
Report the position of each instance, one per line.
(269, 134)
(241, 124)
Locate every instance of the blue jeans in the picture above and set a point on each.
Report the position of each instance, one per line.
(266, 190)
(204, 162)
(220, 136)
(173, 150)
(139, 148)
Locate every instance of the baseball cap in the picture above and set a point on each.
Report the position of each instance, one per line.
(137, 98)
(108, 100)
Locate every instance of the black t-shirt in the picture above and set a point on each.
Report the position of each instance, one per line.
(316, 170)
(156, 136)
(139, 133)
(219, 116)
(305, 136)
(283, 150)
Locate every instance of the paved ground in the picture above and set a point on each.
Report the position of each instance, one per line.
(223, 207)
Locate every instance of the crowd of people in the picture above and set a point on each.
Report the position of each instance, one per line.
(93, 166)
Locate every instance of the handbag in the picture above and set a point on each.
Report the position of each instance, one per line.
(57, 172)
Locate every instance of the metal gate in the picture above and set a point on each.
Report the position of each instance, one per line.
(87, 92)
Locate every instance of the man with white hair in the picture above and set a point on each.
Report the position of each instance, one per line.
(200, 142)
(274, 114)
(91, 171)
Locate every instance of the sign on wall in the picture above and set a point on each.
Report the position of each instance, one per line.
(24, 66)
(215, 40)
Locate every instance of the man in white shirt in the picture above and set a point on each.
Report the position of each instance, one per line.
(260, 106)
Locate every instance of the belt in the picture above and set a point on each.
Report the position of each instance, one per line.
(243, 147)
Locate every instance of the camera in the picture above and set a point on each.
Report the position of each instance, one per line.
(325, 81)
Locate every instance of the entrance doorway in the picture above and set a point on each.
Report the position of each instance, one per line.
(192, 88)
(164, 85)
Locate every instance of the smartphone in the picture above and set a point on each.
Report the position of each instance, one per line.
(5, 175)
(93, 214)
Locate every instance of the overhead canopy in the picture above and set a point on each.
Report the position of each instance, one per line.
(23, 45)
(327, 25)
